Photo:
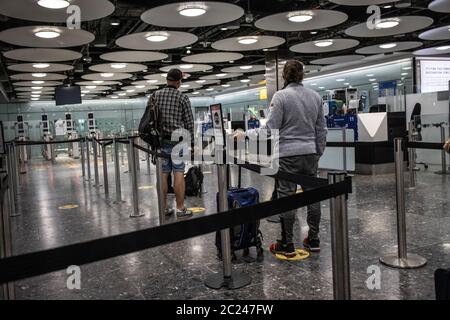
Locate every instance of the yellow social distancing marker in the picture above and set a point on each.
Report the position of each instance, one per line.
(301, 255)
(146, 187)
(197, 210)
(68, 207)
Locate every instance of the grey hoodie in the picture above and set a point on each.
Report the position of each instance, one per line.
(297, 112)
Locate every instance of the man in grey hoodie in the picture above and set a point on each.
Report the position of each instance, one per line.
(297, 113)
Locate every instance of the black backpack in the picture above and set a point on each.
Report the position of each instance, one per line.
(194, 182)
(150, 129)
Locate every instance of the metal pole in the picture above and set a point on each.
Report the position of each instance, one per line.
(134, 187)
(339, 242)
(344, 140)
(15, 170)
(149, 169)
(117, 173)
(105, 171)
(403, 260)
(159, 190)
(88, 158)
(226, 278)
(6, 250)
(443, 153)
(412, 158)
(83, 159)
(12, 195)
(136, 157)
(96, 176)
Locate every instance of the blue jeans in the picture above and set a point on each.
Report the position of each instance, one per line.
(168, 165)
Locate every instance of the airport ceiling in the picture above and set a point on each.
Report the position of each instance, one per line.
(115, 40)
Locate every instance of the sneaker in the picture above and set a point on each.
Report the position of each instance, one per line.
(168, 212)
(185, 213)
(311, 245)
(287, 250)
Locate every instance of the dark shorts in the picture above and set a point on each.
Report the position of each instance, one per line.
(171, 165)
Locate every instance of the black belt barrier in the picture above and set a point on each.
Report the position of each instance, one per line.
(42, 262)
(425, 145)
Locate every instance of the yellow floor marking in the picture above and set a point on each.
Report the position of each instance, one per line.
(197, 210)
(68, 207)
(301, 255)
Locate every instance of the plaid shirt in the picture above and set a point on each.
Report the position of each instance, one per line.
(175, 111)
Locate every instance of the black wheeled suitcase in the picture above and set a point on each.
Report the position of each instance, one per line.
(442, 284)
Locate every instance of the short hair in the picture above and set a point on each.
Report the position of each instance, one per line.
(293, 72)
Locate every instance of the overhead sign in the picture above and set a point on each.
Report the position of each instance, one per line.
(434, 75)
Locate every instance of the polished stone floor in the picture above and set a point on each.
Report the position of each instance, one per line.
(177, 271)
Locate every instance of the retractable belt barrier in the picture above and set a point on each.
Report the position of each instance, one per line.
(411, 145)
(42, 262)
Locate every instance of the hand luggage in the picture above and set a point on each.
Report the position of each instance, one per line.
(194, 182)
(244, 236)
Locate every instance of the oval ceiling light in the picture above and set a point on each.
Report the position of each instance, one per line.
(388, 46)
(226, 85)
(98, 81)
(122, 94)
(387, 23)
(245, 80)
(157, 37)
(39, 75)
(118, 65)
(47, 34)
(37, 82)
(210, 89)
(131, 90)
(34, 99)
(323, 43)
(140, 87)
(152, 81)
(443, 48)
(186, 66)
(36, 88)
(200, 81)
(54, 4)
(41, 65)
(192, 10)
(91, 87)
(248, 40)
(107, 75)
(196, 92)
(299, 16)
(115, 97)
(221, 75)
(246, 67)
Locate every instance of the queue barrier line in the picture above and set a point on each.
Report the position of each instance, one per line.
(425, 145)
(38, 263)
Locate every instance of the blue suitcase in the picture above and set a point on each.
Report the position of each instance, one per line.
(244, 236)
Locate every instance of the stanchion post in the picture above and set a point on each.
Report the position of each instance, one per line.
(159, 191)
(117, 172)
(83, 159)
(15, 169)
(339, 241)
(344, 149)
(227, 278)
(412, 158)
(403, 260)
(149, 169)
(443, 153)
(88, 158)
(105, 171)
(96, 175)
(134, 186)
(12, 195)
(6, 243)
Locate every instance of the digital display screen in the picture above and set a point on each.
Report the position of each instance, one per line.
(91, 123)
(19, 118)
(68, 116)
(44, 117)
(67, 95)
(90, 116)
(434, 75)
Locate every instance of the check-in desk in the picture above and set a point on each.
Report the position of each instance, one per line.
(374, 153)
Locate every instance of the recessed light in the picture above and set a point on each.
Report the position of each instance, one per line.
(323, 43)
(210, 89)
(226, 85)
(85, 91)
(115, 23)
(122, 94)
(346, 84)
(387, 23)
(196, 92)
(443, 48)
(186, 66)
(406, 68)
(35, 95)
(404, 73)
(41, 65)
(118, 65)
(115, 97)
(313, 32)
(98, 81)
(91, 87)
(34, 99)
(54, 4)
(314, 84)
(107, 75)
(157, 37)
(246, 67)
(321, 87)
(248, 40)
(200, 81)
(47, 34)
(164, 75)
(298, 17)
(388, 45)
(39, 75)
(340, 80)
(83, 95)
(221, 75)
(192, 11)
(37, 82)
(372, 80)
(370, 75)
(139, 87)
(131, 90)
(185, 86)
(245, 80)
(224, 28)
(152, 81)
(387, 7)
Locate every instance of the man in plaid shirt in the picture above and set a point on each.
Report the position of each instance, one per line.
(175, 114)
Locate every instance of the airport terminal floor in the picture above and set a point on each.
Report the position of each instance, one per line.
(177, 271)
